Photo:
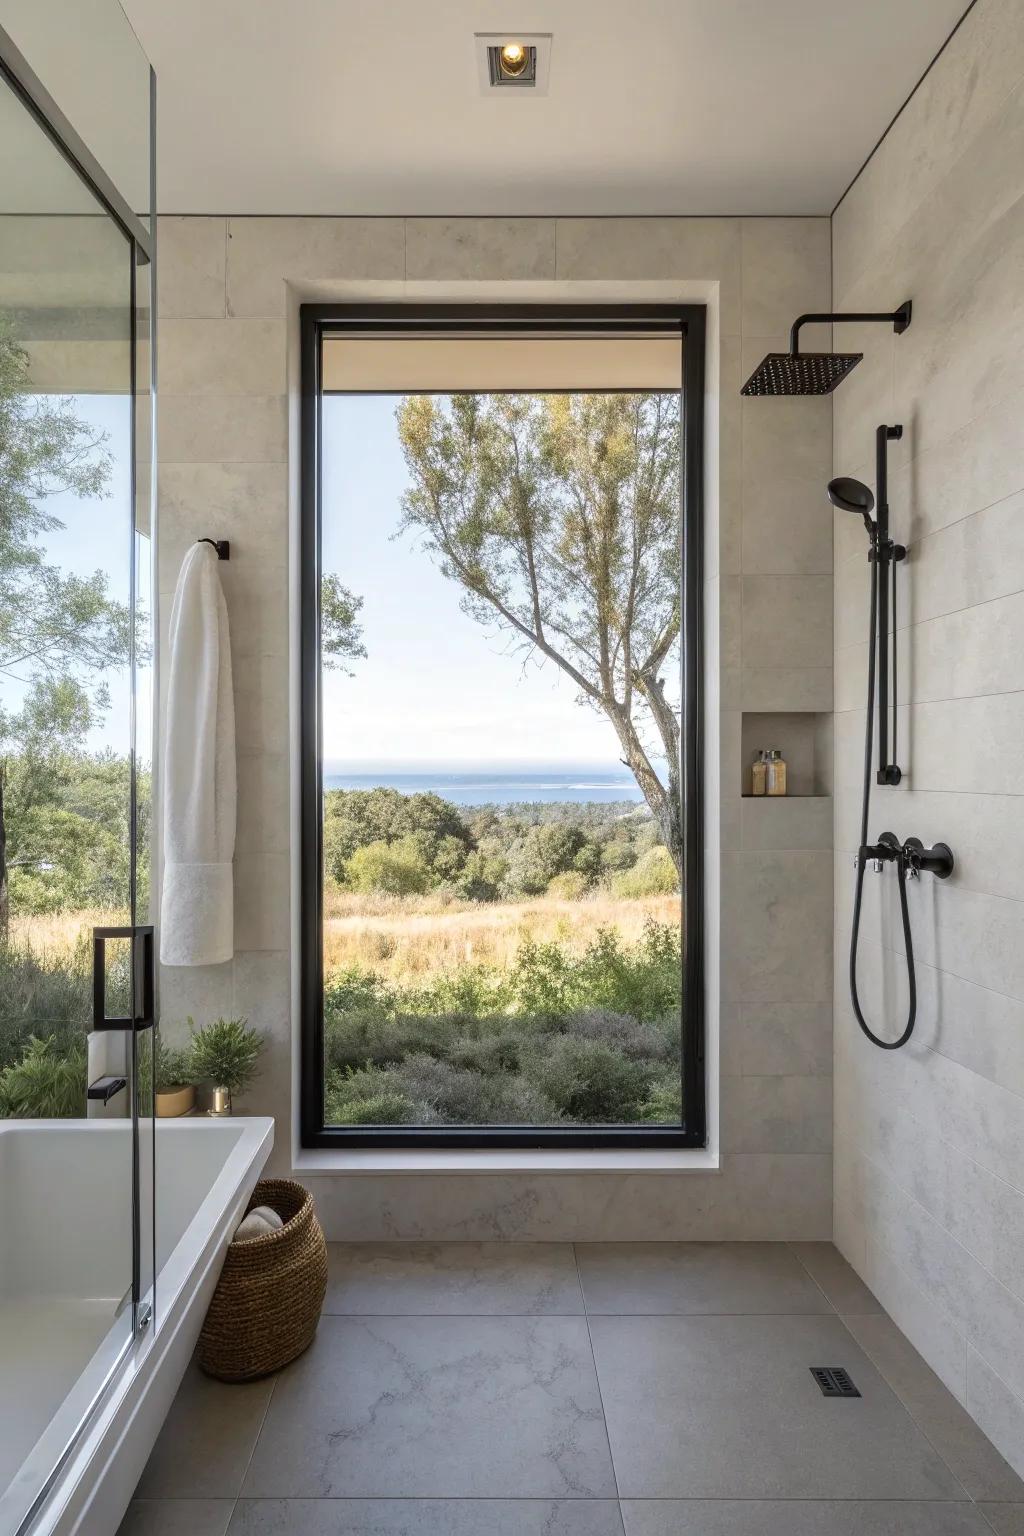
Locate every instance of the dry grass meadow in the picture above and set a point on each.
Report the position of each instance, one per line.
(413, 938)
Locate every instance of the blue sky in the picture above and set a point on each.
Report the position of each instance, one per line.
(437, 686)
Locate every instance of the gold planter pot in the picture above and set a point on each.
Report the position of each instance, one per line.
(220, 1102)
(171, 1102)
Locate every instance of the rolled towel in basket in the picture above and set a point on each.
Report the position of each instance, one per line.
(260, 1220)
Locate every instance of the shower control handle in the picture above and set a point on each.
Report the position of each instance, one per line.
(937, 860)
(914, 857)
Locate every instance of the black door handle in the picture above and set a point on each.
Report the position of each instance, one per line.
(143, 976)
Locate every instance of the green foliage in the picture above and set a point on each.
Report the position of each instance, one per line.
(174, 1067)
(43, 995)
(61, 635)
(225, 1054)
(341, 634)
(48, 1083)
(592, 1038)
(486, 853)
(392, 869)
(430, 830)
(570, 885)
(590, 1081)
(558, 517)
(653, 874)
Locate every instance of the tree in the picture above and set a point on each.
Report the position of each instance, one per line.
(559, 517)
(341, 635)
(59, 633)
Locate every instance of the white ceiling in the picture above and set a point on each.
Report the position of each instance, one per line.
(655, 106)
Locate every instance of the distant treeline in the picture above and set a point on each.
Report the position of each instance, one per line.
(379, 840)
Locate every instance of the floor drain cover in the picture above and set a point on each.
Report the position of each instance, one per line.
(834, 1381)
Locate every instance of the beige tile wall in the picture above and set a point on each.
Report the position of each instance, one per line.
(226, 286)
(930, 1140)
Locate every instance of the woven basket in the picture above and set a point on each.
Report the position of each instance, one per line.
(267, 1303)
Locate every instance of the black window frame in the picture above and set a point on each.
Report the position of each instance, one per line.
(318, 321)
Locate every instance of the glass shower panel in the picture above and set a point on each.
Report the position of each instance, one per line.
(67, 597)
(88, 59)
(143, 746)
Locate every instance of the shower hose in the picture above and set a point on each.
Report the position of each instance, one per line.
(862, 859)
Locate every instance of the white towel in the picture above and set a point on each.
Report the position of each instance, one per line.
(199, 791)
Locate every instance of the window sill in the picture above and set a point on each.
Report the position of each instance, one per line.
(505, 1160)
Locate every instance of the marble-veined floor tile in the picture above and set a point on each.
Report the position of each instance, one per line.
(726, 1408)
(371, 1279)
(426, 1517)
(810, 1517)
(629, 1278)
(437, 1407)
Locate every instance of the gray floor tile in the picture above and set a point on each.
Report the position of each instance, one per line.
(1005, 1519)
(426, 1517)
(371, 1279)
(176, 1517)
(207, 1439)
(968, 1452)
(839, 1280)
(639, 1278)
(727, 1517)
(726, 1408)
(437, 1407)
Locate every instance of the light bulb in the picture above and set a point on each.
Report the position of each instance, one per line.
(514, 59)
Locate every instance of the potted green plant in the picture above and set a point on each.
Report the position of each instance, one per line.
(225, 1054)
(175, 1082)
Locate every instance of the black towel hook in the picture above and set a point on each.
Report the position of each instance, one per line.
(222, 546)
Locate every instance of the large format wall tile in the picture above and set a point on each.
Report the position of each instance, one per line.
(930, 1140)
(786, 271)
(192, 263)
(264, 255)
(237, 429)
(480, 249)
(225, 471)
(222, 357)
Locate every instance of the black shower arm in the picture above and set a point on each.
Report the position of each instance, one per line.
(899, 319)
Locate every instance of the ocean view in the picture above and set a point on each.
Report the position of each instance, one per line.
(495, 785)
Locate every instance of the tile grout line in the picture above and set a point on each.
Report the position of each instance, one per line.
(791, 1249)
(252, 1453)
(919, 1426)
(600, 1394)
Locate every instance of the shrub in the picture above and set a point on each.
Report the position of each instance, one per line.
(489, 1054)
(448, 1095)
(48, 1083)
(653, 874)
(638, 1040)
(570, 885)
(365, 1097)
(664, 1103)
(394, 869)
(589, 1080)
(173, 1067)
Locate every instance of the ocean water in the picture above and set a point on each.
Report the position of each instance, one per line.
(497, 786)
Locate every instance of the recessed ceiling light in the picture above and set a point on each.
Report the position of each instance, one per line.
(513, 61)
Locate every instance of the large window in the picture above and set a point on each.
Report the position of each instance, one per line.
(501, 830)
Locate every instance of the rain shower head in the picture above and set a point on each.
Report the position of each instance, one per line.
(814, 373)
(853, 496)
(806, 373)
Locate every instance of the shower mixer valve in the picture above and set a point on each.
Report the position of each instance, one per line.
(912, 856)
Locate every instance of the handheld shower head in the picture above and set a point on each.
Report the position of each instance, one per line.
(853, 496)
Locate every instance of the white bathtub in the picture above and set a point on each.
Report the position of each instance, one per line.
(65, 1245)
